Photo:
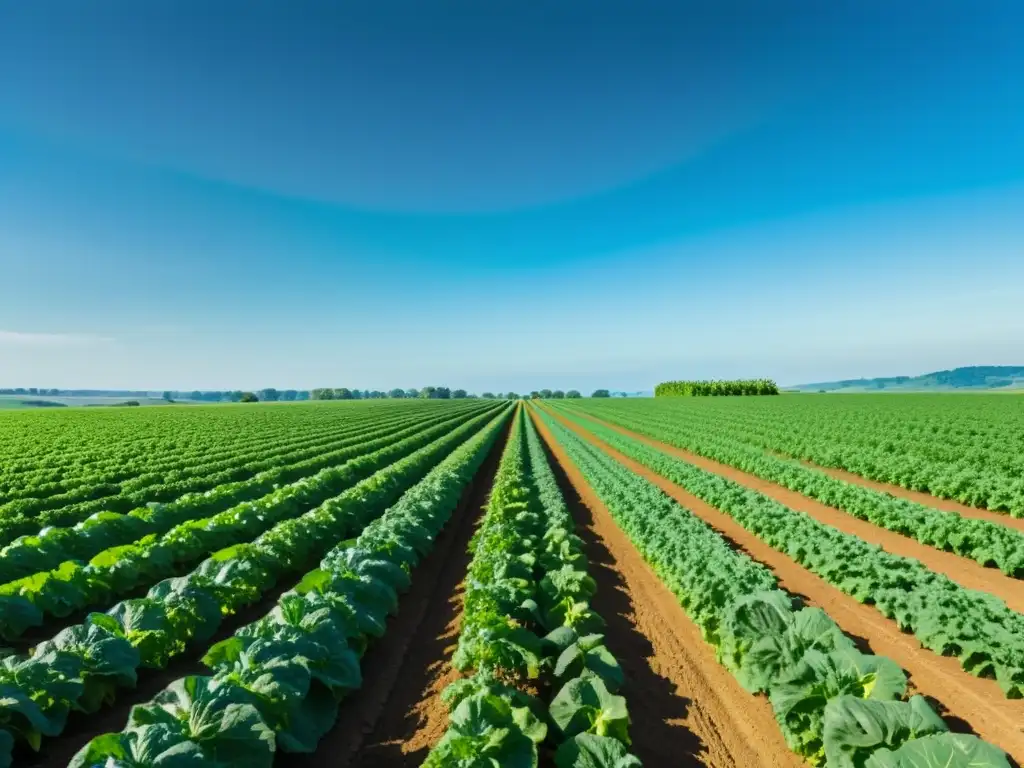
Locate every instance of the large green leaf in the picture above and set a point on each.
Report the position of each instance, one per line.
(585, 750)
(149, 746)
(585, 705)
(16, 615)
(589, 653)
(854, 727)
(221, 719)
(800, 697)
(486, 731)
(944, 750)
(773, 655)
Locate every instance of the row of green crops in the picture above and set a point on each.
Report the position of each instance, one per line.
(166, 539)
(968, 448)
(276, 683)
(528, 578)
(149, 465)
(40, 447)
(985, 542)
(81, 668)
(160, 478)
(23, 518)
(975, 627)
(718, 387)
(836, 706)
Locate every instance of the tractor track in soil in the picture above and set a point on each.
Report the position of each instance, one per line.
(969, 704)
(685, 708)
(398, 715)
(965, 572)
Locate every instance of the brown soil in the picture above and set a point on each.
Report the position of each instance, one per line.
(926, 499)
(968, 703)
(686, 709)
(397, 716)
(965, 572)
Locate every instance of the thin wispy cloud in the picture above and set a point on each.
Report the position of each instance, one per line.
(29, 339)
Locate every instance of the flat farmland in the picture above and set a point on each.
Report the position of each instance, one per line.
(585, 583)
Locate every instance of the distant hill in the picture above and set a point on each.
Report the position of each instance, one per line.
(974, 377)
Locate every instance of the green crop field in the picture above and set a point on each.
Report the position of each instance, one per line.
(468, 583)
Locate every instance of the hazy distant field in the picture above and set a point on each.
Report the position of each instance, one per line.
(26, 401)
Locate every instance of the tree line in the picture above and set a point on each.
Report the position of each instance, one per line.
(271, 395)
(716, 388)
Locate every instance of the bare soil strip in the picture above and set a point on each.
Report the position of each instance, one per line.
(947, 505)
(965, 572)
(968, 703)
(397, 716)
(686, 709)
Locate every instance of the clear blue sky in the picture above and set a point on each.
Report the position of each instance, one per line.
(506, 195)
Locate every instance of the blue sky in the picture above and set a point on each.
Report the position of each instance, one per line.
(507, 195)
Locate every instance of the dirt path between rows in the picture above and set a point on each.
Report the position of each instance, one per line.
(968, 703)
(965, 572)
(397, 716)
(936, 502)
(685, 708)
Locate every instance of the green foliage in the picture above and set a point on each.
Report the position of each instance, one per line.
(528, 576)
(86, 663)
(831, 701)
(976, 628)
(984, 541)
(275, 684)
(600, 393)
(716, 387)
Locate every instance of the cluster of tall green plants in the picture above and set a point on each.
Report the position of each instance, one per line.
(714, 387)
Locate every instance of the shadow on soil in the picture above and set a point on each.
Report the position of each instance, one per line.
(653, 702)
(400, 669)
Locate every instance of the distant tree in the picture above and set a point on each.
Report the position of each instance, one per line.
(427, 393)
(367, 394)
(289, 395)
(195, 394)
(342, 393)
(546, 394)
(487, 395)
(557, 395)
(19, 390)
(412, 393)
(169, 397)
(357, 394)
(322, 393)
(534, 395)
(248, 397)
(600, 393)
(235, 396)
(458, 394)
(302, 394)
(442, 393)
(33, 390)
(512, 396)
(573, 394)
(397, 393)
(269, 395)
